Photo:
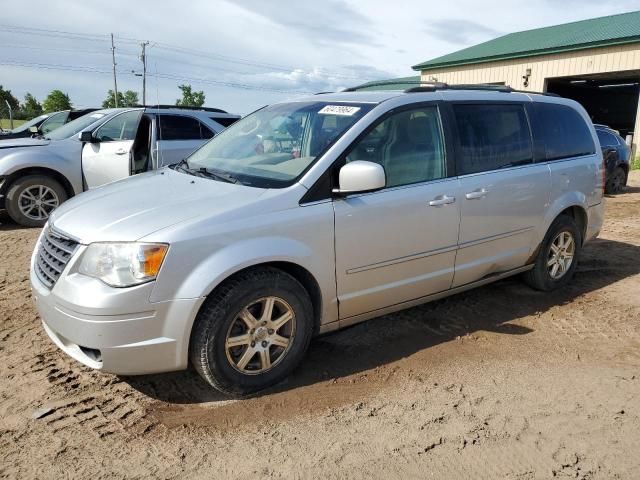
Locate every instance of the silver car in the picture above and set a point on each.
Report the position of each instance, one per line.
(37, 175)
(312, 215)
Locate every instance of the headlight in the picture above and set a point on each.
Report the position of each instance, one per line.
(123, 264)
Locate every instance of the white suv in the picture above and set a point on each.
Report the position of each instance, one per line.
(38, 174)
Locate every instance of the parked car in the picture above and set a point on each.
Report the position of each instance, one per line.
(617, 158)
(312, 215)
(37, 175)
(44, 124)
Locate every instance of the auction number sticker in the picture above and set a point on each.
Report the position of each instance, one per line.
(339, 110)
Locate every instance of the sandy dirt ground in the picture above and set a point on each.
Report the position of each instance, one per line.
(499, 382)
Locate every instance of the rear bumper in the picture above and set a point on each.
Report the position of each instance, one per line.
(115, 330)
(595, 219)
(3, 192)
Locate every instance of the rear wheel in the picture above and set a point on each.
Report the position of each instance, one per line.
(615, 182)
(252, 331)
(31, 199)
(557, 258)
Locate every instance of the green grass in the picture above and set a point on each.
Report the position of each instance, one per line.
(6, 124)
(635, 163)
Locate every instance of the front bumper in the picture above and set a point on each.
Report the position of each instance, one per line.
(116, 330)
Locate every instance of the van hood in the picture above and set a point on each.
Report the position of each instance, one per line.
(23, 142)
(133, 208)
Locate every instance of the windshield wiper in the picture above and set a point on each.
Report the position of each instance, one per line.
(183, 165)
(225, 177)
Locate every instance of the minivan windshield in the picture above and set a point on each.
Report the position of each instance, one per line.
(275, 145)
(25, 126)
(75, 126)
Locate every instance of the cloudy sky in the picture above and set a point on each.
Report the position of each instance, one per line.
(247, 53)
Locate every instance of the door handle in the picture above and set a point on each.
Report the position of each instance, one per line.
(477, 194)
(441, 200)
(121, 151)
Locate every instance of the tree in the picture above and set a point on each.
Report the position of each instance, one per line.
(31, 107)
(5, 95)
(126, 99)
(190, 98)
(56, 101)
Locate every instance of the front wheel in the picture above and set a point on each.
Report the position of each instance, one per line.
(557, 258)
(252, 331)
(31, 199)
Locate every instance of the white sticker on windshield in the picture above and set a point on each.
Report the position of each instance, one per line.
(339, 110)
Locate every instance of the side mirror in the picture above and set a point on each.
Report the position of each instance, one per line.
(87, 137)
(35, 130)
(360, 177)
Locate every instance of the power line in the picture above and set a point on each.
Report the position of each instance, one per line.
(170, 47)
(167, 76)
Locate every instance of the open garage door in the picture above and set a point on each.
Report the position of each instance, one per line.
(611, 99)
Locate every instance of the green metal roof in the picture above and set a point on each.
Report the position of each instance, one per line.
(596, 32)
(390, 84)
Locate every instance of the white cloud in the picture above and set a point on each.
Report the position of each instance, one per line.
(291, 45)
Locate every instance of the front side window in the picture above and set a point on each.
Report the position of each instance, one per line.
(120, 127)
(54, 121)
(273, 146)
(492, 137)
(563, 131)
(408, 144)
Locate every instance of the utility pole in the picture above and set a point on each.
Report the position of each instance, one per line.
(115, 82)
(143, 58)
(10, 113)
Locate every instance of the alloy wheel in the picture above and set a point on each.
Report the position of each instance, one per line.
(260, 335)
(37, 202)
(561, 255)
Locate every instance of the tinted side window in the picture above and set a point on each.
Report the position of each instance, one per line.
(178, 127)
(408, 144)
(606, 139)
(562, 131)
(205, 132)
(225, 122)
(492, 137)
(121, 127)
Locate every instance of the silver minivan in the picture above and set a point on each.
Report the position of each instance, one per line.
(308, 216)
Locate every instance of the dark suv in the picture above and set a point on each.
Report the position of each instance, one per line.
(616, 154)
(45, 123)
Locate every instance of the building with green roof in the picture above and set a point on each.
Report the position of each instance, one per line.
(595, 61)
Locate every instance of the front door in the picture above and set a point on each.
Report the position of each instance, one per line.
(108, 158)
(398, 244)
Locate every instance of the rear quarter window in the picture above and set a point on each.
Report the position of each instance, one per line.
(225, 122)
(562, 131)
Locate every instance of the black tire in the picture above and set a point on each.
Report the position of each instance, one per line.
(540, 276)
(219, 315)
(12, 201)
(615, 181)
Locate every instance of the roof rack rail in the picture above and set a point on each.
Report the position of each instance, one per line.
(172, 107)
(428, 86)
(382, 83)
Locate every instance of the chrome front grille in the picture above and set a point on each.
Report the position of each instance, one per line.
(54, 253)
